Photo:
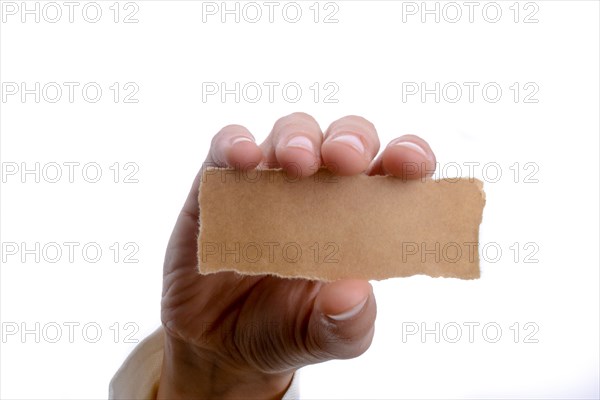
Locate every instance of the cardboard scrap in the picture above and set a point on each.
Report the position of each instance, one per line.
(328, 227)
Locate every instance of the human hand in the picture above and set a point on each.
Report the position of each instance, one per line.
(234, 336)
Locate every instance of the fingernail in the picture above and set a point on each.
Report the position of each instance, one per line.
(412, 147)
(349, 313)
(350, 140)
(301, 142)
(240, 139)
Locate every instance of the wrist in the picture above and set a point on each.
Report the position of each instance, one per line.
(190, 372)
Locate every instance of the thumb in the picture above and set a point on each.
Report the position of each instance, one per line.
(342, 323)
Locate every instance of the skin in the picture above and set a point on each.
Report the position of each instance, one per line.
(230, 336)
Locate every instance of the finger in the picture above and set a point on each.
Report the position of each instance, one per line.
(350, 144)
(343, 320)
(406, 157)
(232, 146)
(294, 145)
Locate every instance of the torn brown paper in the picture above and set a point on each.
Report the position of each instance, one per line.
(329, 227)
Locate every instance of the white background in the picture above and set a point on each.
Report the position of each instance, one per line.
(369, 55)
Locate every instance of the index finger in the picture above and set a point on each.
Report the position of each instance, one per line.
(233, 146)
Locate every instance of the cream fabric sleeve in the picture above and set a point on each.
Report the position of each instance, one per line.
(138, 376)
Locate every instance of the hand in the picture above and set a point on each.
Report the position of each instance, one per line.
(234, 336)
